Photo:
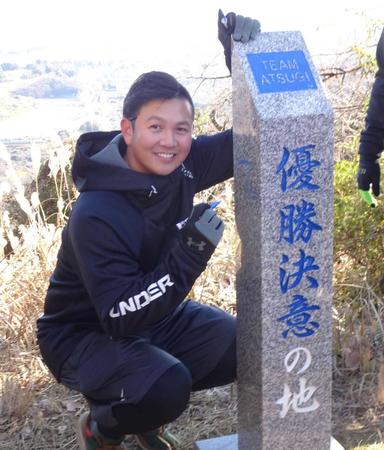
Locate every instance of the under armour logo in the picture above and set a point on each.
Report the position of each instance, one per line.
(153, 190)
(187, 173)
(199, 245)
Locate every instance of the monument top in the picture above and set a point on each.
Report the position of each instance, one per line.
(279, 64)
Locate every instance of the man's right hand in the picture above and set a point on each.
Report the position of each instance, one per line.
(203, 229)
(368, 176)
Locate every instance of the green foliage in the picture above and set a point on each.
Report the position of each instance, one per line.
(358, 274)
(366, 61)
(359, 229)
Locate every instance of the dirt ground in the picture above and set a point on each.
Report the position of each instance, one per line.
(358, 419)
(49, 422)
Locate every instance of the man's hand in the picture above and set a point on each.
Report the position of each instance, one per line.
(368, 176)
(203, 229)
(242, 28)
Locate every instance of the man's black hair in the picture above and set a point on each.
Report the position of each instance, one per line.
(153, 86)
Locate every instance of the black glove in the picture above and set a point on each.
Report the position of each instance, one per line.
(369, 174)
(242, 28)
(203, 229)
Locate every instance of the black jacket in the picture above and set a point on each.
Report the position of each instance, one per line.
(372, 137)
(122, 265)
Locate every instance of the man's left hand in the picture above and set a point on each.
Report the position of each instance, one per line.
(242, 28)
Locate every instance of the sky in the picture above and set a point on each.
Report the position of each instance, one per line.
(174, 30)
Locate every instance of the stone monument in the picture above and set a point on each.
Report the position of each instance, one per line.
(283, 163)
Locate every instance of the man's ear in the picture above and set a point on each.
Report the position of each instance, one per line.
(126, 127)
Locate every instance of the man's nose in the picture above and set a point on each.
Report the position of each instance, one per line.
(168, 138)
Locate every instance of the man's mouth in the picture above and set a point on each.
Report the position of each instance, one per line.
(166, 155)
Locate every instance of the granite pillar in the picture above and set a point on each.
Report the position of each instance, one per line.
(283, 162)
(283, 144)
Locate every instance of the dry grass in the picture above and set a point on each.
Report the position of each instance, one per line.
(358, 388)
(24, 277)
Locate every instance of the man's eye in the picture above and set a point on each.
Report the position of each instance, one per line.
(182, 130)
(154, 127)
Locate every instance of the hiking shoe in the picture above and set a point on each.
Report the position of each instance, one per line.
(89, 439)
(158, 439)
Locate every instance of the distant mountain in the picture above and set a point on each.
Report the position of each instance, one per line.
(49, 87)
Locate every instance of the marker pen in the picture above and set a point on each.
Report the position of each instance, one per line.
(214, 204)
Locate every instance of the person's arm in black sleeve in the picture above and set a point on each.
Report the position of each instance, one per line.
(242, 29)
(124, 297)
(372, 137)
(211, 157)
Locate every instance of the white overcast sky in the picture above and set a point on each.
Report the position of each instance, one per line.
(155, 27)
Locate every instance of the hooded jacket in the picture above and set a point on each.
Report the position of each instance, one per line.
(122, 264)
(372, 137)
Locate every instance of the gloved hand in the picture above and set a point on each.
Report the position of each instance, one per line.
(369, 174)
(203, 229)
(242, 28)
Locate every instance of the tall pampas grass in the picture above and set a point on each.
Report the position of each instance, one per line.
(27, 257)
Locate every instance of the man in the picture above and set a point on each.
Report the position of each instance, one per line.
(372, 137)
(116, 326)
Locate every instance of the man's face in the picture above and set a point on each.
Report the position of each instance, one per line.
(160, 138)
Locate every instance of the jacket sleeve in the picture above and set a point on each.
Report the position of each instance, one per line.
(124, 297)
(212, 159)
(372, 137)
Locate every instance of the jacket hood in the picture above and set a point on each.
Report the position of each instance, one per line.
(99, 165)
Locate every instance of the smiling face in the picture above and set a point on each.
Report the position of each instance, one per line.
(159, 139)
